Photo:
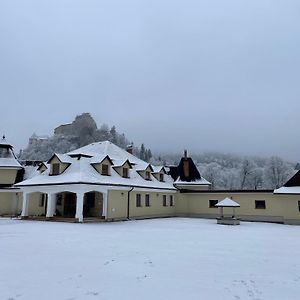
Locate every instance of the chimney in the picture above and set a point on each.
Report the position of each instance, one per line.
(186, 165)
(185, 153)
(129, 148)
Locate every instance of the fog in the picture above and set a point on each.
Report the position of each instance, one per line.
(203, 75)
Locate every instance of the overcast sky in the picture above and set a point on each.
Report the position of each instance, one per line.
(203, 75)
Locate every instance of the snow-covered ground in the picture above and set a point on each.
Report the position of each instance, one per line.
(151, 259)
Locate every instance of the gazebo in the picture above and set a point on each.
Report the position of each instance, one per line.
(228, 219)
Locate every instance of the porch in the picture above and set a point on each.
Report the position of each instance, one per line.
(76, 205)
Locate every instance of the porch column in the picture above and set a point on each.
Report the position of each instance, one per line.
(104, 211)
(79, 206)
(51, 205)
(25, 205)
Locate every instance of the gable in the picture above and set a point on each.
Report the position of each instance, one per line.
(294, 181)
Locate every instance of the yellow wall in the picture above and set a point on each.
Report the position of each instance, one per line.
(10, 204)
(8, 176)
(6, 203)
(34, 208)
(117, 205)
(278, 208)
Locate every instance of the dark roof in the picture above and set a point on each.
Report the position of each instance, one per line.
(294, 181)
(177, 172)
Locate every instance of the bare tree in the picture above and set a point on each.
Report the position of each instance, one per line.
(277, 172)
(247, 168)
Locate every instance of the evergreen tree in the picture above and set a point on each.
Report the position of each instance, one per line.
(142, 152)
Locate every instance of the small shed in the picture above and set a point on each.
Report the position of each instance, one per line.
(228, 219)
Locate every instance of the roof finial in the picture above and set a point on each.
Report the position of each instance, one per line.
(3, 137)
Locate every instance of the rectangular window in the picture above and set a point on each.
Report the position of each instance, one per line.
(260, 204)
(164, 200)
(104, 169)
(138, 200)
(299, 205)
(148, 175)
(147, 200)
(55, 169)
(42, 200)
(161, 177)
(212, 203)
(125, 172)
(171, 200)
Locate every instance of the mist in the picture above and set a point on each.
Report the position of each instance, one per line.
(198, 75)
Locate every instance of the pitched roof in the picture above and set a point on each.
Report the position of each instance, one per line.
(113, 151)
(7, 156)
(64, 158)
(294, 181)
(82, 171)
(178, 173)
(227, 202)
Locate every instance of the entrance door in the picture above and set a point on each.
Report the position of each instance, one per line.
(70, 205)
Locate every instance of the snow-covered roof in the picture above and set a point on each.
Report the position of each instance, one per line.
(64, 158)
(5, 142)
(288, 190)
(82, 171)
(97, 159)
(9, 163)
(113, 151)
(7, 157)
(227, 202)
(157, 169)
(201, 181)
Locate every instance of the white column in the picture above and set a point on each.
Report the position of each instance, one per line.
(104, 211)
(25, 205)
(79, 206)
(51, 205)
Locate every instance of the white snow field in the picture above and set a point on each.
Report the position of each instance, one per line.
(173, 258)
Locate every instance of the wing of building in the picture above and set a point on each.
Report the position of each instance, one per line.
(100, 180)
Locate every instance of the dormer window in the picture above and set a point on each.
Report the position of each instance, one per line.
(147, 175)
(161, 177)
(104, 169)
(55, 169)
(125, 173)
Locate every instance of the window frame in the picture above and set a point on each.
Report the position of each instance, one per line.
(55, 171)
(147, 175)
(258, 206)
(138, 200)
(211, 201)
(165, 204)
(147, 200)
(161, 177)
(125, 172)
(105, 172)
(171, 199)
